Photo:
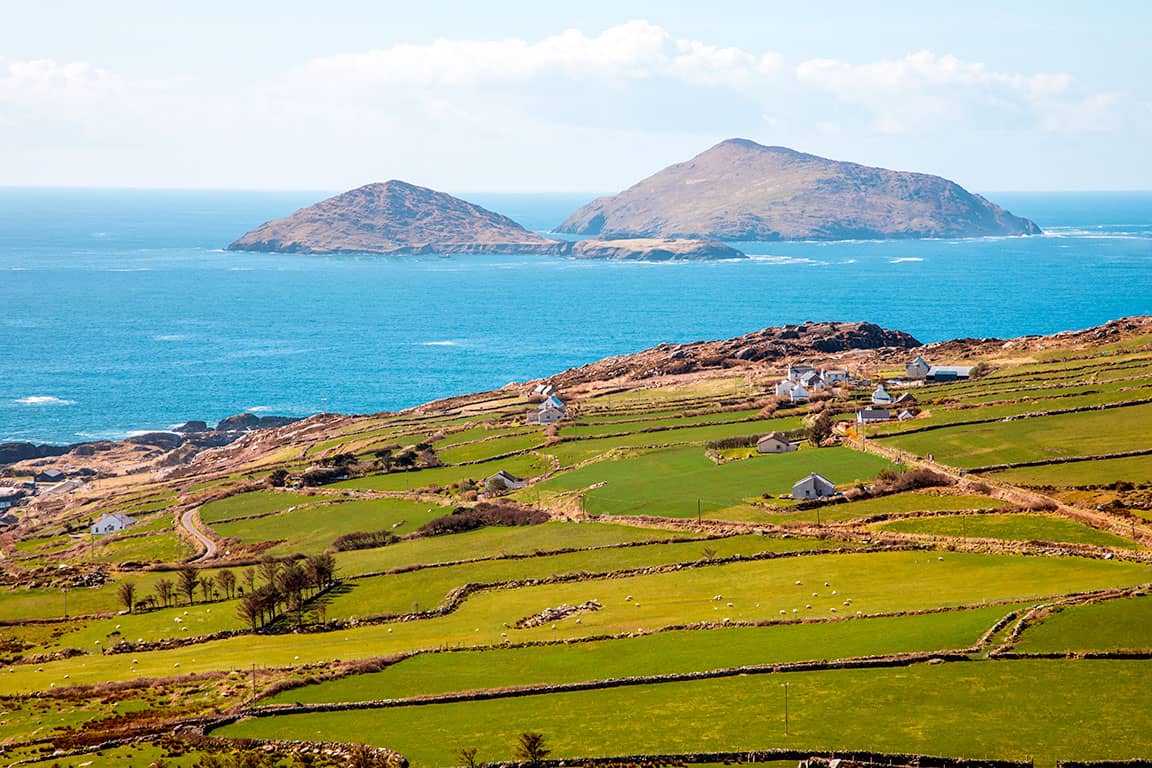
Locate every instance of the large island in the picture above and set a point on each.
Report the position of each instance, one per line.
(741, 190)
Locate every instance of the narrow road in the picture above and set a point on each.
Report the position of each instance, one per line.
(191, 523)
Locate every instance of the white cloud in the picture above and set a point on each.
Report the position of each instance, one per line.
(637, 50)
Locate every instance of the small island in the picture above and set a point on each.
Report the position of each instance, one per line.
(396, 217)
(654, 249)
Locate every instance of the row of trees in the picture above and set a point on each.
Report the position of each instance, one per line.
(530, 748)
(285, 585)
(286, 589)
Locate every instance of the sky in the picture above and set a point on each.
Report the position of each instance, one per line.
(573, 97)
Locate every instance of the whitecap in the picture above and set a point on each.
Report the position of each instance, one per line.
(171, 337)
(258, 409)
(43, 400)
(785, 260)
(904, 259)
(439, 343)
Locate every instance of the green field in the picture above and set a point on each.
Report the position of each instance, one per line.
(312, 528)
(524, 465)
(900, 503)
(1135, 469)
(977, 709)
(1019, 527)
(658, 654)
(759, 590)
(1046, 437)
(669, 482)
(424, 589)
(252, 503)
(1113, 625)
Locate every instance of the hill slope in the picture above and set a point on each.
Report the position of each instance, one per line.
(394, 217)
(741, 190)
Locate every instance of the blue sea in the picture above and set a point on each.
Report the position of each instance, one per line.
(121, 312)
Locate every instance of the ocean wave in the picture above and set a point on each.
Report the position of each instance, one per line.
(904, 259)
(444, 343)
(43, 400)
(171, 337)
(786, 260)
(258, 409)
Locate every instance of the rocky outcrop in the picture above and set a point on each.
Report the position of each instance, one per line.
(654, 249)
(768, 345)
(247, 421)
(10, 453)
(395, 218)
(740, 190)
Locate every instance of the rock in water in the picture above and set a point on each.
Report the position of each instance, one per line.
(654, 249)
(395, 217)
(740, 190)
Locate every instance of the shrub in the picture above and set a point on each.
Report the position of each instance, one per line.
(889, 481)
(363, 540)
(485, 513)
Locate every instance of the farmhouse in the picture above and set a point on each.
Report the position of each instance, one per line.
(868, 415)
(10, 497)
(796, 372)
(834, 375)
(502, 481)
(917, 369)
(907, 400)
(550, 411)
(49, 476)
(813, 487)
(880, 396)
(113, 522)
(775, 442)
(812, 382)
(939, 373)
(905, 415)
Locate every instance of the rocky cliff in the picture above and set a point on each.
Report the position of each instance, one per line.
(740, 190)
(395, 217)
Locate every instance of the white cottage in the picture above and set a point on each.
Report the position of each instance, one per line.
(502, 481)
(869, 415)
(113, 522)
(917, 369)
(880, 396)
(813, 487)
(775, 442)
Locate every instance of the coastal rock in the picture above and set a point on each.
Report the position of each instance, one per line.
(741, 190)
(767, 345)
(395, 217)
(10, 453)
(192, 427)
(163, 440)
(654, 249)
(243, 422)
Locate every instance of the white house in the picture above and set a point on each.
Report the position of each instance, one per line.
(544, 389)
(799, 393)
(812, 381)
(795, 372)
(834, 375)
(784, 388)
(880, 396)
(502, 481)
(813, 487)
(868, 415)
(546, 414)
(905, 414)
(917, 369)
(112, 522)
(775, 442)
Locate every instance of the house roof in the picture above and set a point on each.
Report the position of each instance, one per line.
(907, 397)
(118, 517)
(51, 472)
(553, 401)
(505, 476)
(814, 476)
(959, 370)
(777, 436)
(918, 359)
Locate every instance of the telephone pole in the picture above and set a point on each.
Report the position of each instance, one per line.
(786, 709)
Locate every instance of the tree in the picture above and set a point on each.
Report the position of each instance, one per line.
(164, 591)
(206, 586)
(188, 579)
(467, 756)
(269, 568)
(249, 610)
(820, 428)
(278, 478)
(127, 594)
(250, 579)
(530, 747)
(227, 581)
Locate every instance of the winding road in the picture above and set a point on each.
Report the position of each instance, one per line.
(191, 523)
